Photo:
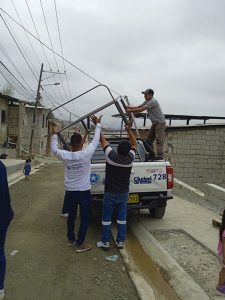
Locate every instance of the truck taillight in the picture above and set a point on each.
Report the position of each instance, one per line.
(169, 172)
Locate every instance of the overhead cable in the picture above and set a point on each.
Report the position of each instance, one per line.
(38, 39)
(18, 47)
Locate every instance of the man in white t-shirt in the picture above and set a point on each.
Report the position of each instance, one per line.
(77, 182)
(157, 130)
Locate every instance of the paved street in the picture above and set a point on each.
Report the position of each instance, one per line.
(44, 268)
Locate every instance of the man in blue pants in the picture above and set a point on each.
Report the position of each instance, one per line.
(6, 215)
(117, 180)
(77, 182)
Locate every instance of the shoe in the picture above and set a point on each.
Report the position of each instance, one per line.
(159, 158)
(221, 289)
(65, 215)
(2, 294)
(119, 245)
(103, 246)
(71, 243)
(82, 248)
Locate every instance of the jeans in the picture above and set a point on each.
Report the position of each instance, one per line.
(2, 258)
(65, 208)
(113, 202)
(83, 199)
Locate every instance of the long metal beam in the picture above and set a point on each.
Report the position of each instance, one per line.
(89, 114)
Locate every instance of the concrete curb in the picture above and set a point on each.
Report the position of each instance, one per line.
(143, 289)
(181, 282)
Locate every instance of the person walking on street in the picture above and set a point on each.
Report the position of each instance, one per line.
(27, 169)
(6, 215)
(157, 130)
(77, 182)
(117, 179)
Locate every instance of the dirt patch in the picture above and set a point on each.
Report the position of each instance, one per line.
(198, 261)
(44, 268)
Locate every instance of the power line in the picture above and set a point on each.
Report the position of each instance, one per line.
(60, 40)
(13, 65)
(9, 82)
(28, 7)
(35, 27)
(18, 47)
(26, 32)
(46, 24)
(15, 78)
(38, 39)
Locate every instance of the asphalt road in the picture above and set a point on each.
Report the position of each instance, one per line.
(43, 267)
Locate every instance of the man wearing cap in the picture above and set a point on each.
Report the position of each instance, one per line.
(157, 130)
(117, 180)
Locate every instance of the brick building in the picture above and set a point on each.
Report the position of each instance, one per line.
(16, 124)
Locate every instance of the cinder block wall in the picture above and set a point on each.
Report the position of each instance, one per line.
(197, 153)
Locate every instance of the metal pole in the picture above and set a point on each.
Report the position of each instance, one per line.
(88, 115)
(35, 110)
(133, 118)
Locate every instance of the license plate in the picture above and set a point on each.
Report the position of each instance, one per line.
(133, 198)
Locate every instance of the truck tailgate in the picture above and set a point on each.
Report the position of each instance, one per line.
(146, 177)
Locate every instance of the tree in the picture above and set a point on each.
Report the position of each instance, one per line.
(7, 90)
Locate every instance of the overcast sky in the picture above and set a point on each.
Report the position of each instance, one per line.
(176, 47)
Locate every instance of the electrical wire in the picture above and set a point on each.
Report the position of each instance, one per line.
(28, 7)
(60, 40)
(26, 33)
(38, 39)
(13, 65)
(46, 24)
(10, 32)
(15, 78)
(10, 83)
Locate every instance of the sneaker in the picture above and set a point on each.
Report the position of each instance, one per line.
(103, 246)
(65, 215)
(71, 243)
(159, 158)
(219, 289)
(2, 294)
(82, 248)
(119, 245)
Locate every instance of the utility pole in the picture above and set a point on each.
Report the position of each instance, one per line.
(35, 110)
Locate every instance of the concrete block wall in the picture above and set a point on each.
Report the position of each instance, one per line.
(197, 154)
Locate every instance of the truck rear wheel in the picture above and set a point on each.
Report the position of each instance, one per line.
(158, 212)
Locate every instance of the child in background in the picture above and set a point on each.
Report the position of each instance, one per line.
(27, 169)
(221, 256)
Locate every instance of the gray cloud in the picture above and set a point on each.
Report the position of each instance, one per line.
(175, 47)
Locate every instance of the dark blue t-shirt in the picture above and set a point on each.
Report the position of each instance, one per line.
(6, 212)
(118, 169)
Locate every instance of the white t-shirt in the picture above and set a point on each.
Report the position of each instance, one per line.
(77, 164)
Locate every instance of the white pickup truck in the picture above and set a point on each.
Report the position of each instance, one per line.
(151, 182)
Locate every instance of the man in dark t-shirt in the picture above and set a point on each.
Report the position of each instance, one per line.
(117, 180)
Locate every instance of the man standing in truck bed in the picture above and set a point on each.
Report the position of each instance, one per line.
(157, 130)
(117, 179)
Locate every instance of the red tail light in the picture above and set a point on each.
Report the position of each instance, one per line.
(169, 172)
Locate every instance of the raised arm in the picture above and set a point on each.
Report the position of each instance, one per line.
(103, 140)
(132, 138)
